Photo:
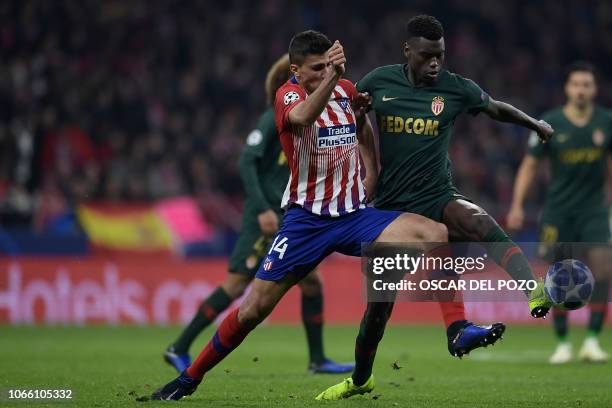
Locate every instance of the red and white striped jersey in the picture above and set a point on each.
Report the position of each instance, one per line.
(324, 157)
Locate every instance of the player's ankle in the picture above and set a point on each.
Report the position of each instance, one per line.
(563, 340)
(592, 335)
(193, 373)
(317, 360)
(360, 380)
(454, 327)
(177, 349)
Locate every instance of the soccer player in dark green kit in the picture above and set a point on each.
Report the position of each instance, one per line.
(264, 172)
(575, 208)
(416, 105)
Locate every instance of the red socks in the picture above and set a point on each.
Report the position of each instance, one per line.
(229, 335)
(452, 311)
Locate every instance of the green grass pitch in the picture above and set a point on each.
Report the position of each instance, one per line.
(111, 367)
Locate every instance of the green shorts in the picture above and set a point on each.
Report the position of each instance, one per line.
(251, 246)
(589, 226)
(430, 206)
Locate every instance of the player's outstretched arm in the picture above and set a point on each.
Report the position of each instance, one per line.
(367, 149)
(504, 112)
(308, 111)
(524, 179)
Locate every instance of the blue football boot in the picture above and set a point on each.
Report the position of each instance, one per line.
(180, 362)
(328, 366)
(471, 336)
(176, 389)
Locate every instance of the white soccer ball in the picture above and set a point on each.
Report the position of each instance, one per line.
(569, 284)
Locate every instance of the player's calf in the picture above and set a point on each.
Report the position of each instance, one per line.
(261, 301)
(231, 332)
(235, 284)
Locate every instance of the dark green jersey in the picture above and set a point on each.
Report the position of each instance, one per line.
(578, 161)
(263, 166)
(415, 124)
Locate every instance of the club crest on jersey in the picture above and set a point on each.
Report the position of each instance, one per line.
(437, 105)
(291, 97)
(267, 265)
(344, 104)
(598, 137)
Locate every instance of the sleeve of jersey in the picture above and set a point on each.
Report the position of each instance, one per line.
(365, 83)
(259, 137)
(247, 164)
(474, 98)
(287, 98)
(348, 87)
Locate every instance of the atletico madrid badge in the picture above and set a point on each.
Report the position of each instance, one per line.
(437, 105)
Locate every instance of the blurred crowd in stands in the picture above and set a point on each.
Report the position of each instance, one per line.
(140, 100)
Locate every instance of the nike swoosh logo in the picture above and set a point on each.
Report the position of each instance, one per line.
(385, 99)
(169, 398)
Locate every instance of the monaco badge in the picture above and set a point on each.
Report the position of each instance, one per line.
(437, 105)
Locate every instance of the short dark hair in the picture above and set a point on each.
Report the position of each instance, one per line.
(580, 66)
(307, 43)
(425, 26)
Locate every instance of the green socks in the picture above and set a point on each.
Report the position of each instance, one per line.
(371, 332)
(507, 254)
(560, 324)
(596, 321)
(312, 317)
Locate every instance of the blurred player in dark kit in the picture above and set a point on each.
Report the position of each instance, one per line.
(575, 209)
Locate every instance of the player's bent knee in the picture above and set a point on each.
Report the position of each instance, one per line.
(235, 285)
(435, 232)
(235, 292)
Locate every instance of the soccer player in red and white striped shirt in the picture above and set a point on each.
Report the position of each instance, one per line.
(324, 202)
(323, 157)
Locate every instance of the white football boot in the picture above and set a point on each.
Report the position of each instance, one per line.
(592, 352)
(562, 354)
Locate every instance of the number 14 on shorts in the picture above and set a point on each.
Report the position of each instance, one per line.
(279, 247)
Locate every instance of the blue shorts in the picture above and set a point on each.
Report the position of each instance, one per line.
(305, 239)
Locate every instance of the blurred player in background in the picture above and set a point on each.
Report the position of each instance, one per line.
(575, 208)
(264, 172)
(416, 105)
(324, 199)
